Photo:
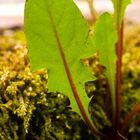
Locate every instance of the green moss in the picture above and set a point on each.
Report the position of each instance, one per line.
(27, 110)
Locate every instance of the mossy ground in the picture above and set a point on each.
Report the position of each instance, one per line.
(28, 111)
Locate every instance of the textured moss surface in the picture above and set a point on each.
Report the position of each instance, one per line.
(27, 110)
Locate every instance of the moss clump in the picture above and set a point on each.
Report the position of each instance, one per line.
(27, 110)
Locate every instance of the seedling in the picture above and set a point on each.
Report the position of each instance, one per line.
(57, 38)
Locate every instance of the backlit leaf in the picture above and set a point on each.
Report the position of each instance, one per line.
(56, 35)
(105, 38)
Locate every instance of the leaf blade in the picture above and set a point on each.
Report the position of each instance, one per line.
(58, 35)
(105, 38)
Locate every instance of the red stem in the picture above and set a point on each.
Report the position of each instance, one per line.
(129, 116)
(119, 50)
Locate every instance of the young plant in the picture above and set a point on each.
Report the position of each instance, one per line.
(57, 42)
(57, 35)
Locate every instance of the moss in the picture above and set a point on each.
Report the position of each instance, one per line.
(130, 76)
(27, 110)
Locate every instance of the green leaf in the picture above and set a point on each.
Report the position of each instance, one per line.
(105, 38)
(119, 9)
(56, 36)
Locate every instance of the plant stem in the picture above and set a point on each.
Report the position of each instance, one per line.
(92, 10)
(129, 116)
(119, 50)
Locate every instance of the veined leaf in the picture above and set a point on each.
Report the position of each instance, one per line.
(105, 38)
(119, 9)
(56, 36)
